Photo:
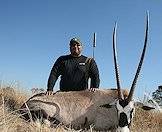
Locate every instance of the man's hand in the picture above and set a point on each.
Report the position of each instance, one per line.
(92, 89)
(49, 93)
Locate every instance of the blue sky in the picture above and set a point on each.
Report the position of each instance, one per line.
(34, 33)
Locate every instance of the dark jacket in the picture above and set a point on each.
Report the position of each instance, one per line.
(74, 72)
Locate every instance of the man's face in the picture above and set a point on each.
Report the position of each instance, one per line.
(75, 49)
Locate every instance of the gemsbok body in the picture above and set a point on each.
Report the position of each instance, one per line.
(109, 109)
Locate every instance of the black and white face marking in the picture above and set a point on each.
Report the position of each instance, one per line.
(125, 112)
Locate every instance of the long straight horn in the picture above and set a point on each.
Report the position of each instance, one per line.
(116, 64)
(141, 61)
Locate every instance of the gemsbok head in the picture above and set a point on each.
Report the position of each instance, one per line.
(125, 106)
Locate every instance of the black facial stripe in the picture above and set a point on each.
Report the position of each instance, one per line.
(131, 116)
(123, 103)
(131, 113)
(123, 120)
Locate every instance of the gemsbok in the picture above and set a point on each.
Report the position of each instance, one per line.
(109, 109)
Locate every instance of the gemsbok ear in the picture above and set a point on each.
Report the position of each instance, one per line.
(106, 106)
(143, 106)
(110, 105)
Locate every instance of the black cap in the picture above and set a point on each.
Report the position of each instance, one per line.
(75, 40)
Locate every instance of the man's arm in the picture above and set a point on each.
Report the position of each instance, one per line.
(55, 73)
(94, 75)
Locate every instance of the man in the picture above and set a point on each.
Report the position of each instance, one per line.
(75, 70)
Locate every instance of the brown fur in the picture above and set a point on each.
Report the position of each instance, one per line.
(79, 108)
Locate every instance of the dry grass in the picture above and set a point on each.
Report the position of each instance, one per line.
(10, 121)
(146, 121)
(12, 98)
